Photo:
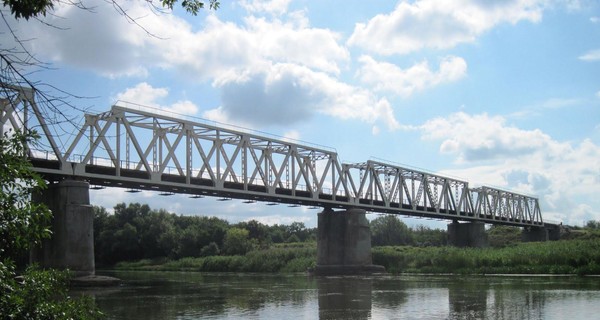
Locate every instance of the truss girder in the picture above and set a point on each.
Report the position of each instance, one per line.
(400, 187)
(19, 110)
(392, 186)
(506, 206)
(139, 149)
(216, 155)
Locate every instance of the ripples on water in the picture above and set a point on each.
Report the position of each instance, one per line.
(189, 296)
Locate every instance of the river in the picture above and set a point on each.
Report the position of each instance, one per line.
(188, 295)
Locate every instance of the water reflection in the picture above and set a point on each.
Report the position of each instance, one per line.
(467, 299)
(344, 297)
(147, 295)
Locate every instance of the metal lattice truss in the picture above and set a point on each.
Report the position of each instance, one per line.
(138, 149)
(397, 187)
(505, 205)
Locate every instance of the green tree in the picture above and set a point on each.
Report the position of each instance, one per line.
(22, 223)
(212, 249)
(593, 225)
(39, 294)
(425, 237)
(502, 236)
(237, 242)
(388, 230)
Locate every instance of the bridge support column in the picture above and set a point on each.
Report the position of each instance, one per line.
(71, 245)
(344, 243)
(470, 234)
(554, 232)
(534, 234)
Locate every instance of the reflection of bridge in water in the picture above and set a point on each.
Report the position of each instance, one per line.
(137, 149)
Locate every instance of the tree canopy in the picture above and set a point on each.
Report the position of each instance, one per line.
(388, 230)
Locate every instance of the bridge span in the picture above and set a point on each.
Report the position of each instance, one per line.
(137, 149)
(142, 149)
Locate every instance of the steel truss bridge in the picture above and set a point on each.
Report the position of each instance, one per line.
(141, 150)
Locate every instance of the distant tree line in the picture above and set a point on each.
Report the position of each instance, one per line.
(389, 230)
(136, 231)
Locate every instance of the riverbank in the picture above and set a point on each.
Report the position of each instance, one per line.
(580, 257)
(294, 257)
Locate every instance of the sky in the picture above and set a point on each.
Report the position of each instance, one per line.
(498, 93)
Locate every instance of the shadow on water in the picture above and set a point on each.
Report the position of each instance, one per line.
(187, 296)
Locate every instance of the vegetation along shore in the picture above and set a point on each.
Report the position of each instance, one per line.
(136, 237)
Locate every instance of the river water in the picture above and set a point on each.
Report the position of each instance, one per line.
(187, 296)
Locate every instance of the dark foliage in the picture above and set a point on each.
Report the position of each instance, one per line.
(136, 232)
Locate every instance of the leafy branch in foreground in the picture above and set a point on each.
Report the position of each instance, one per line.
(22, 223)
(35, 294)
(41, 294)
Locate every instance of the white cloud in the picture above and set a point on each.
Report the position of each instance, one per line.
(267, 71)
(388, 77)
(592, 55)
(565, 175)
(106, 43)
(145, 95)
(99, 40)
(438, 24)
(482, 137)
(594, 19)
(287, 93)
(275, 7)
(281, 219)
(292, 135)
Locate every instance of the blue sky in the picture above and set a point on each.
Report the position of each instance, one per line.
(502, 93)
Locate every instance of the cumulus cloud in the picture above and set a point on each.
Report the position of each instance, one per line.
(592, 55)
(563, 174)
(106, 43)
(288, 93)
(483, 137)
(385, 76)
(145, 95)
(438, 24)
(268, 71)
(99, 40)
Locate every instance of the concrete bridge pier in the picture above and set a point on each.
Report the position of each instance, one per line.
(344, 243)
(534, 234)
(71, 245)
(469, 234)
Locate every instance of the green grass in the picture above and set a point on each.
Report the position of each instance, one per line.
(556, 257)
(580, 256)
(279, 258)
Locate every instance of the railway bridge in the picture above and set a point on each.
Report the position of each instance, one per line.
(141, 149)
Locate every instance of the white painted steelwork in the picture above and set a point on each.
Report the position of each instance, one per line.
(142, 150)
